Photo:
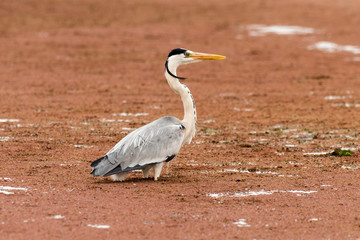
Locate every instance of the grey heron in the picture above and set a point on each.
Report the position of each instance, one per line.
(149, 146)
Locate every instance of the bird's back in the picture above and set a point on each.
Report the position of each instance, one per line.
(153, 143)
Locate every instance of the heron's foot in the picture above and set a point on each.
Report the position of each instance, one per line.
(157, 170)
(146, 171)
(119, 177)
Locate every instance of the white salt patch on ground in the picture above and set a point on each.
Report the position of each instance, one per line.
(347, 105)
(336, 97)
(353, 167)
(299, 192)
(6, 189)
(266, 172)
(247, 171)
(114, 120)
(98, 226)
(252, 193)
(313, 219)
(229, 170)
(107, 120)
(197, 164)
(333, 47)
(241, 223)
(348, 137)
(257, 193)
(278, 126)
(350, 148)
(209, 121)
(111, 120)
(6, 179)
(243, 109)
(289, 130)
(126, 129)
(216, 195)
(232, 164)
(262, 30)
(25, 125)
(82, 146)
(69, 164)
(4, 139)
(57, 217)
(12, 188)
(295, 163)
(6, 192)
(5, 120)
(29, 220)
(240, 194)
(316, 154)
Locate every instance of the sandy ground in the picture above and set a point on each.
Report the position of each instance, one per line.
(76, 74)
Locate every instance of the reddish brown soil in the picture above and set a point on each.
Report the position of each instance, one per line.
(67, 66)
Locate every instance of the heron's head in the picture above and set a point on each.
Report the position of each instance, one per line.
(180, 56)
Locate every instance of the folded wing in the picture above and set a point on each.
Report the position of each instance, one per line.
(153, 143)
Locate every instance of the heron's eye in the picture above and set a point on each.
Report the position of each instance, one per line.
(187, 54)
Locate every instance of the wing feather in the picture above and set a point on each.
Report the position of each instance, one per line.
(150, 144)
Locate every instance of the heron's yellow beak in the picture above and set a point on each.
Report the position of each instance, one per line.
(205, 56)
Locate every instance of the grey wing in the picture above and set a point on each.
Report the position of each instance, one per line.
(153, 143)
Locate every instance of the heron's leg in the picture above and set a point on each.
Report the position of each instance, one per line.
(119, 177)
(157, 170)
(146, 171)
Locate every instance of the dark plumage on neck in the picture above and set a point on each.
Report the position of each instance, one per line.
(171, 74)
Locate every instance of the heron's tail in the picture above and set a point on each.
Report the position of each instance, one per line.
(94, 164)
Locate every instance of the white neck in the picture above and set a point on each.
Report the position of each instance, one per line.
(189, 120)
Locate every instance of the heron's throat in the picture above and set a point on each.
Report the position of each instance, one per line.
(190, 119)
(171, 74)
